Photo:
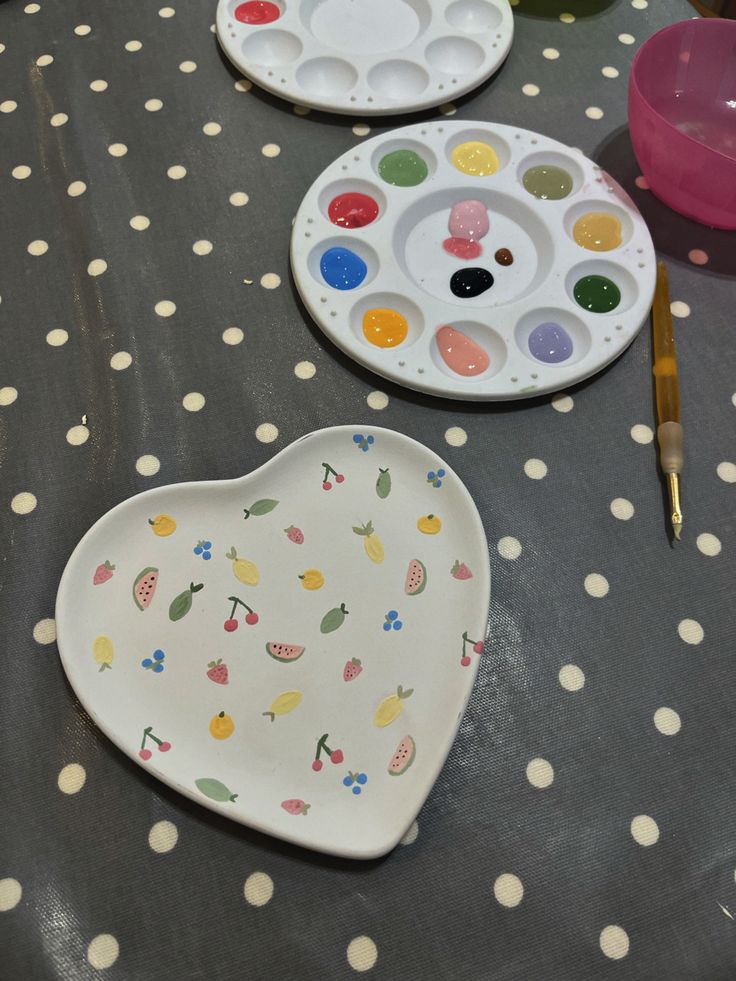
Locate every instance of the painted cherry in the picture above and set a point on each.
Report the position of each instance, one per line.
(165, 746)
(231, 625)
(251, 618)
(339, 478)
(337, 756)
(465, 661)
(327, 485)
(316, 765)
(478, 647)
(145, 754)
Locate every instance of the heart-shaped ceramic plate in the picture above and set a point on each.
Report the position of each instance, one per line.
(295, 648)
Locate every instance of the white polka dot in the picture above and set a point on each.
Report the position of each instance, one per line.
(377, 400)
(727, 472)
(140, 223)
(667, 721)
(188, 67)
(97, 267)
(2, 48)
(622, 509)
(57, 337)
(411, 835)
(258, 889)
(639, 4)
(44, 631)
(120, 361)
(98, 85)
(117, 149)
(193, 401)
(166, 12)
(239, 198)
(571, 677)
(530, 89)
(38, 247)
(153, 105)
(59, 118)
(103, 951)
(614, 942)
(698, 257)
(162, 837)
(644, 830)
(23, 503)
(43, 60)
(509, 548)
(362, 954)
(271, 150)
(232, 335)
(301, 110)
(641, 433)
(165, 308)
(596, 585)
(708, 544)
(567, 18)
(456, 436)
(82, 30)
(133, 45)
(608, 71)
(243, 85)
(77, 435)
(21, 172)
(76, 188)
(733, 399)
(148, 465)
(539, 773)
(10, 893)
(202, 247)
(551, 54)
(8, 106)
(211, 129)
(71, 778)
(535, 469)
(361, 129)
(8, 395)
(306, 370)
(32, 8)
(177, 172)
(626, 38)
(690, 631)
(594, 112)
(562, 402)
(267, 432)
(508, 890)
(448, 108)
(270, 281)
(642, 183)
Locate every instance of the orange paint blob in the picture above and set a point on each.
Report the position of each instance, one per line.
(384, 327)
(597, 231)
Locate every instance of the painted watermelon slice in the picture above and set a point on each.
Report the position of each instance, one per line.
(403, 758)
(284, 652)
(416, 578)
(144, 587)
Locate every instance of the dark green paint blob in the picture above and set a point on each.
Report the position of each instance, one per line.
(597, 294)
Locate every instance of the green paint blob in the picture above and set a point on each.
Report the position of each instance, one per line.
(403, 168)
(547, 183)
(597, 294)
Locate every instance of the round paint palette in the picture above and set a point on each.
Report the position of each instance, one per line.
(473, 260)
(366, 56)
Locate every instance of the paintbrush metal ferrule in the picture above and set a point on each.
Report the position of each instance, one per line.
(673, 488)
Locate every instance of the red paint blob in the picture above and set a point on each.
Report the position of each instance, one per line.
(257, 12)
(352, 210)
(463, 248)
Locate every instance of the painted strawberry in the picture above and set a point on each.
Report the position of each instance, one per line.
(217, 672)
(460, 571)
(352, 669)
(296, 806)
(103, 573)
(295, 535)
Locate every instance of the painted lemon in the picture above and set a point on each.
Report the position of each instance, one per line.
(284, 703)
(102, 652)
(371, 542)
(221, 726)
(391, 707)
(244, 570)
(162, 525)
(312, 579)
(429, 524)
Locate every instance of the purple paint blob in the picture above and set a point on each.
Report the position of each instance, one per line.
(550, 343)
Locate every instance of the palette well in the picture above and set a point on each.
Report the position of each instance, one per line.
(473, 260)
(366, 56)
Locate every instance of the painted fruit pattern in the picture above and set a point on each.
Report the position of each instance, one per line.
(300, 653)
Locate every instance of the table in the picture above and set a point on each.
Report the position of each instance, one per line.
(583, 825)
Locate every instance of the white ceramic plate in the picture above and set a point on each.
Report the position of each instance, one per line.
(406, 268)
(366, 56)
(232, 707)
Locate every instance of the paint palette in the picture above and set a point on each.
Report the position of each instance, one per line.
(293, 649)
(473, 260)
(366, 56)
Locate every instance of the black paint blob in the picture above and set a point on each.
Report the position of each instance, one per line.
(471, 281)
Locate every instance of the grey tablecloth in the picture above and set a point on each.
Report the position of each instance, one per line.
(583, 826)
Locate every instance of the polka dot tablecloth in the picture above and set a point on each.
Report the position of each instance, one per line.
(583, 825)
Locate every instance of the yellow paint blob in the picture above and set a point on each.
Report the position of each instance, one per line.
(384, 327)
(475, 158)
(597, 231)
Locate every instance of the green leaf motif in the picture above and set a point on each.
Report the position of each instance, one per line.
(215, 790)
(383, 484)
(260, 507)
(333, 619)
(182, 604)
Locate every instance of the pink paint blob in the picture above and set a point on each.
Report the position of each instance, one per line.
(461, 354)
(469, 220)
(463, 248)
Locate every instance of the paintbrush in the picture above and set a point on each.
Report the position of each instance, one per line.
(669, 430)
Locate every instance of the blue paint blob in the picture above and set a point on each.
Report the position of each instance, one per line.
(550, 343)
(342, 269)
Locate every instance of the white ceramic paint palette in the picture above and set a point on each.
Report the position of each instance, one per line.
(366, 56)
(293, 649)
(473, 260)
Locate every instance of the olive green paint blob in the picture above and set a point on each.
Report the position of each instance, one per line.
(597, 294)
(403, 168)
(547, 183)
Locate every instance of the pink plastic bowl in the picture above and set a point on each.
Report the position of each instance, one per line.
(682, 118)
